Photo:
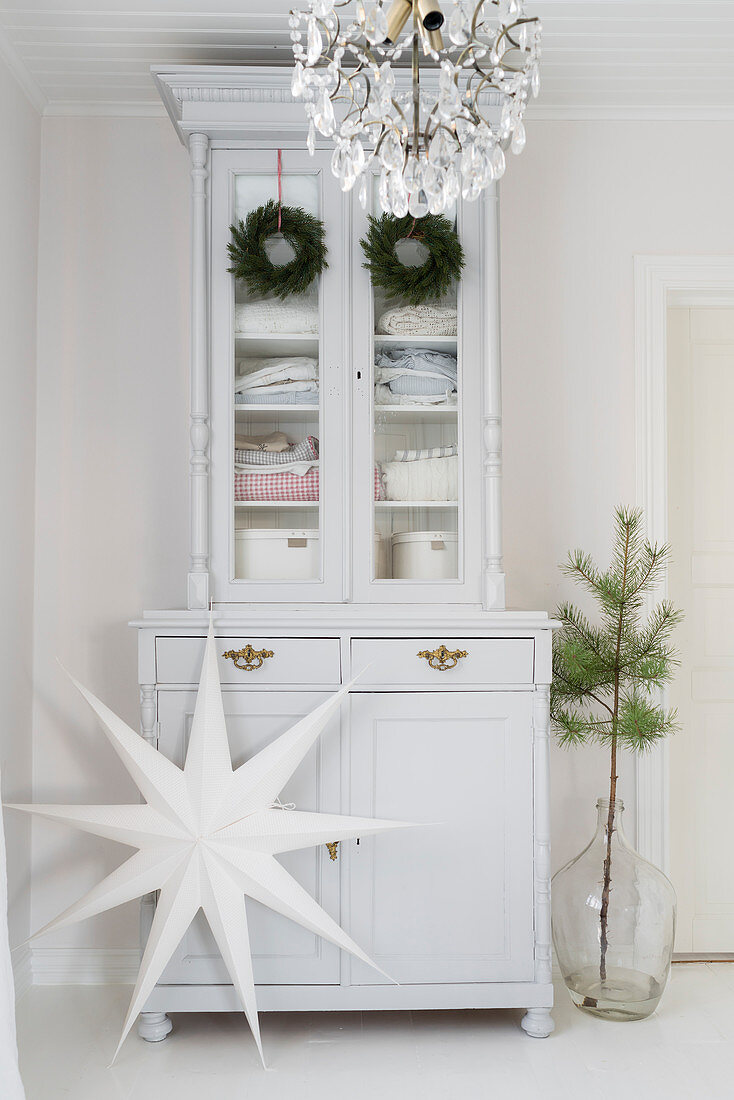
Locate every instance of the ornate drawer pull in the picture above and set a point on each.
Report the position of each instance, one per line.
(443, 658)
(333, 849)
(253, 658)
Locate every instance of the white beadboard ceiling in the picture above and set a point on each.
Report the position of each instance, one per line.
(602, 58)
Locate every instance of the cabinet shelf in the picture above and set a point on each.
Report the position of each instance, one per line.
(263, 344)
(284, 413)
(294, 505)
(416, 504)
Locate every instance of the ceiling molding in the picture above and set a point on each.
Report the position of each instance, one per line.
(72, 108)
(625, 60)
(19, 70)
(549, 112)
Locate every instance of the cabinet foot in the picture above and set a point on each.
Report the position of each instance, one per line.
(154, 1026)
(538, 1023)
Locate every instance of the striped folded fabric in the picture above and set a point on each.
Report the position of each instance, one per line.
(299, 452)
(284, 396)
(426, 452)
(286, 486)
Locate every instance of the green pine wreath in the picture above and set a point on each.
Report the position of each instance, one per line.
(413, 285)
(251, 263)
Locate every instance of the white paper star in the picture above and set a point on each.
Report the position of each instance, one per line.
(207, 836)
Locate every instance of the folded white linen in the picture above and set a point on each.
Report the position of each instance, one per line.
(253, 374)
(418, 321)
(385, 396)
(296, 468)
(299, 313)
(389, 374)
(425, 479)
(274, 442)
(289, 386)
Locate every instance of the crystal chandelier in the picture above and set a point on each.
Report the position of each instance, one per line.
(432, 141)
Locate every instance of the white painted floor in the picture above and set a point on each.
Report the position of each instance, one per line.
(685, 1051)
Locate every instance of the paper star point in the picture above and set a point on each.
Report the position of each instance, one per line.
(207, 837)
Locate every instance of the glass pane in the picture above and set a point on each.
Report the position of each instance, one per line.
(276, 409)
(416, 421)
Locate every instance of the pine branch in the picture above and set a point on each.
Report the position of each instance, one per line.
(642, 723)
(604, 676)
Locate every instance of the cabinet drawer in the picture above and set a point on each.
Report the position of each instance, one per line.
(396, 661)
(294, 661)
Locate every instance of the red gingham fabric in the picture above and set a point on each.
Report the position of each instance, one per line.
(285, 486)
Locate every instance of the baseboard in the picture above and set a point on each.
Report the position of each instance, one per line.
(22, 970)
(84, 966)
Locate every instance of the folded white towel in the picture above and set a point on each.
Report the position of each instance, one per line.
(254, 364)
(385, 396)
(298, 469)
(299, 313)
(425, 479)
(288, 385)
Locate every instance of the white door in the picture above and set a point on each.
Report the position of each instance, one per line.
(701, 581)
(451, 900)
(283, 953)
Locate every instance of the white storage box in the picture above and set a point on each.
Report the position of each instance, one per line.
(424, 555)
(276, 555)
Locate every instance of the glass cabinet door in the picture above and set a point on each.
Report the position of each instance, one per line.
(416, 396)
(276, 475)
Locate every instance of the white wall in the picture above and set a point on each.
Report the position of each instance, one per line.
(577, 205)
(20, 126)
(112, 495)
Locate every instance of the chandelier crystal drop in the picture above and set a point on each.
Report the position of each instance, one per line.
(430, 141)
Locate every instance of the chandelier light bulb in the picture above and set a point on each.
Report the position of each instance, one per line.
(432, 131)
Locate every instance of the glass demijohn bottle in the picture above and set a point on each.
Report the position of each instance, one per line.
(613, 945)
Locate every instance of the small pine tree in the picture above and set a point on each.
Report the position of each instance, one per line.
(606, 678)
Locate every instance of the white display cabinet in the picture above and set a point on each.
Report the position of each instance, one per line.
(356, 566)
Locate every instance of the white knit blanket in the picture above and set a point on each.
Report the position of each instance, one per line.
(426, 479)
(418, 321)
(299, 313)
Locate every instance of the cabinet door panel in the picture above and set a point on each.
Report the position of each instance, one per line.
(283, 952)
(275, 540)
(451, 901)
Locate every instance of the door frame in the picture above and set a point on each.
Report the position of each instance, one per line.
(662, 282)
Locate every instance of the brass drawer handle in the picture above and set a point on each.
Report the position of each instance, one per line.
(253, 658)
(333, 848)
(443, 658)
